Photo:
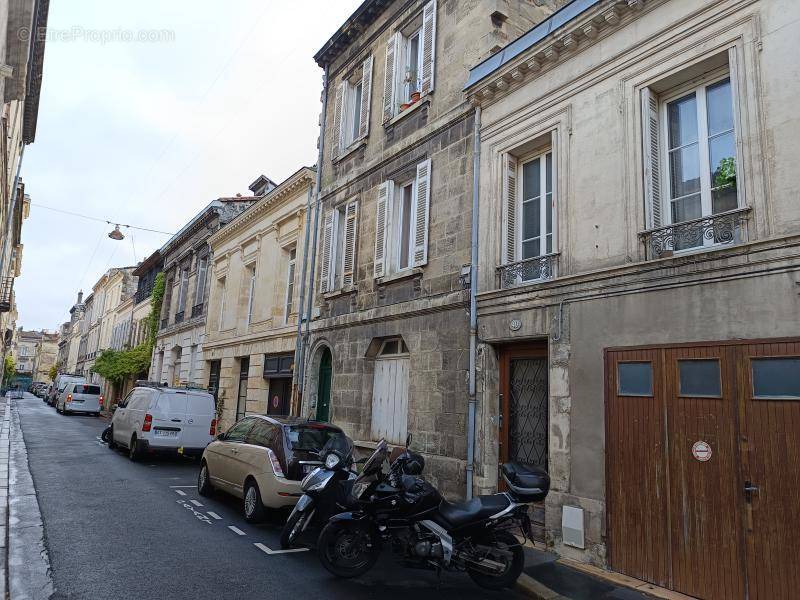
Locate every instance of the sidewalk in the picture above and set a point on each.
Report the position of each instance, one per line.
(547, 578)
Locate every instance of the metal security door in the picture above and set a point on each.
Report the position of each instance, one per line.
(524, 410)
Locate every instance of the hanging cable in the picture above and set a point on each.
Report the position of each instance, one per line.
(91, 258)
(135, 260)
(99, 220)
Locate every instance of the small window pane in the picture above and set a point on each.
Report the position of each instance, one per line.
(682, 115)
(720, 107)
(699, 378)
(776, 378)
(684, 170)
(635, 379)
(531, 217)
(531, 184)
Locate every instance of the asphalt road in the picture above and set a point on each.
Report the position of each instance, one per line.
(118, 529)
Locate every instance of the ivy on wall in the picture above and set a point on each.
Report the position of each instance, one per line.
(118, 365)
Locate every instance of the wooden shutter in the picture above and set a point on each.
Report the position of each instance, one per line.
(327, 251)
(349, 245)
(383, 208)
(423, 202)
(510, 208)
(651, 152)
(366, 95)
(338, 119)
(428, 46)
(388, 81)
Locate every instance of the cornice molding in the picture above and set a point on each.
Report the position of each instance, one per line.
(558, 47)
(302, 178)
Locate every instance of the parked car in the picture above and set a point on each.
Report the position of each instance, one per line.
(263, 459)
(38, 389)
(154, 419)
(59, 384)
(80, 397)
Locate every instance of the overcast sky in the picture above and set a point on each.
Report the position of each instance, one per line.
(147, 133)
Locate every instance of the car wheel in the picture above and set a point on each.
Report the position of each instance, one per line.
(204, 487)
(253, 508)
(111, 443)
(133, 449)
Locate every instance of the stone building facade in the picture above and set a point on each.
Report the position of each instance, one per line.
(638, 285)
(387, 354)
(178, 353)
(253, 301)
(46, 356)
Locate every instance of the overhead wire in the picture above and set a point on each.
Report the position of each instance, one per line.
(99, 220)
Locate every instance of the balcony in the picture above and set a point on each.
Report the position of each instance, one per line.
(179, 317)
(705, 233)
(530, 270)
(6, 289)
(197, 310)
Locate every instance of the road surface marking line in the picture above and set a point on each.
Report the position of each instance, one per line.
(181, 486)
(236, 530)
(196, 503)
(214, 515)
(270, 551)
(180, 493)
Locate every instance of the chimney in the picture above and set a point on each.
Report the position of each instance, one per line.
(261, 186)
(80, 297)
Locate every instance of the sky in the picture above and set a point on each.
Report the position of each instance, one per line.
(146, 132)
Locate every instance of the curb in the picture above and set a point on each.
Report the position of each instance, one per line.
(534, 589)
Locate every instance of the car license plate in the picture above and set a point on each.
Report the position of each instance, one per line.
(166, 433)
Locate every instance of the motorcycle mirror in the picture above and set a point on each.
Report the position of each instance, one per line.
(408, 440)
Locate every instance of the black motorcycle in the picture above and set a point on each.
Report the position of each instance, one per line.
(326, 490)
(396, 508)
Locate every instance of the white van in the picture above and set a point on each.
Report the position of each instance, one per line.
(80, 397)
(153, 419)
(60, 384)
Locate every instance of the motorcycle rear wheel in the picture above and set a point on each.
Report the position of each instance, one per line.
(505, 541)
(347, 549)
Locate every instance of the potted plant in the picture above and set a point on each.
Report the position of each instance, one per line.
(404, 106)
(415, 97)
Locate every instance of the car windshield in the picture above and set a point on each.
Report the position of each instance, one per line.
(310, 437)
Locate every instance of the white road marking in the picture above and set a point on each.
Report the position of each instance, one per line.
(181, 486)
(197, 514)
(270, 551)
(196, 503)
(236, 530)
(214, 515)
(180, 493)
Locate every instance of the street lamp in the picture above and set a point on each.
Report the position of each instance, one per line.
(116, 234)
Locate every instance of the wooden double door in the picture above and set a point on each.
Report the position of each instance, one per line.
(703, 468)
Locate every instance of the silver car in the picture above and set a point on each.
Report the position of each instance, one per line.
(80, 397)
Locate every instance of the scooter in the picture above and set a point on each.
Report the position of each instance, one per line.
(326, 490)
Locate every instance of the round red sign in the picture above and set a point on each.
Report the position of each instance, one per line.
(275, 401)
(701, 451)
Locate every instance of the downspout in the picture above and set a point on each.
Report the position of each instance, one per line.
(298, 353)
(317, 189)
(473, 303)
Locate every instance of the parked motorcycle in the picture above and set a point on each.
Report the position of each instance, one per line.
(326, 490)
(396, 508)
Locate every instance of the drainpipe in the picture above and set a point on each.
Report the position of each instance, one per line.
(317, 189)
(298, 353)
(473, 304)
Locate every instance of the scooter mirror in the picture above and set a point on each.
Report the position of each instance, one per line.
(408, 440)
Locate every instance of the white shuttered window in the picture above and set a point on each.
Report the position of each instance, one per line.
(339, 243)
(351, 111)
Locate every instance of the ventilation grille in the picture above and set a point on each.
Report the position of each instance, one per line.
(572, 526)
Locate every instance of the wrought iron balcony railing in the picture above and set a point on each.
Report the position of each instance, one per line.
(722, 229)
(530, 270)
(197, 310)
(6, 289)
(179, 316)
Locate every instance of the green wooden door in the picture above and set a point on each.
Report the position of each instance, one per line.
(324, 388)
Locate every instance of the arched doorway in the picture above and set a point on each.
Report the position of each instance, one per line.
(324, 386)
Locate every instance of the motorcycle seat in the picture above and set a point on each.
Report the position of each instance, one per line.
(526, 477)
(457, 514)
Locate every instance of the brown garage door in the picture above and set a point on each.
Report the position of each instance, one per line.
(701, 440)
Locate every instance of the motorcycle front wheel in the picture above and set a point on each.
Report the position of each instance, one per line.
(294, 527)
(501, 548)
(348, 549)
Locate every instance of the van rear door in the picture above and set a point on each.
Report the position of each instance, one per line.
(200, 412)
(87, 397)
(168, 419)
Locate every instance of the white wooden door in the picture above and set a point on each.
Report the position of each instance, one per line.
(390, 400)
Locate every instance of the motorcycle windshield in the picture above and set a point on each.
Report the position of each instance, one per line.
(341, 445)
(375, 462)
